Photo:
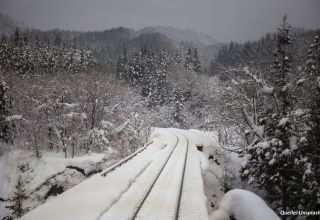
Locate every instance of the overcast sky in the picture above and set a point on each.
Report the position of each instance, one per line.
(225, 20)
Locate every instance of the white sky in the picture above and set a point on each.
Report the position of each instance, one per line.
(225, 20)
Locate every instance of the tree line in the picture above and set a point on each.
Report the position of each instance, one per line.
(274, 107)
(148, 70)
(21, 56)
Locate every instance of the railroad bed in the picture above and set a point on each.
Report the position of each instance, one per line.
(160, 181)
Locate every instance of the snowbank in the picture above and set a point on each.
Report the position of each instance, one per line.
(214, 174)
(243, 205)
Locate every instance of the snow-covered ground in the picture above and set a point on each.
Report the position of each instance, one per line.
(37, 174)
(45, 167)
(168, 179)
(243, 205)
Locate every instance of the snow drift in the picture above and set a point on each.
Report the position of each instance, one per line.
(243, 205)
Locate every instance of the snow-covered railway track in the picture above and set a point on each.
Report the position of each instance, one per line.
(152, 186)
(163, 202)
(162, 181)
(184, 173)
(160, 187)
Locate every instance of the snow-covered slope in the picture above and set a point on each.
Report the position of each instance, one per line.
(178, 35)
(243, 205)
(42, 176)
(49, 165)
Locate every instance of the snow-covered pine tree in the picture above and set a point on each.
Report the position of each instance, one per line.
(17, 54)
(122, 64)
(196, 61)
(4, 101)
(19, 196)
(192, 60)
(5, 53)
(282, 64)
(158, 80)
(27, 56)
(177, 58)
(36, 54)
(57, 53)
(16, 36)
(189, 60)
(147, 70)
(177, 100)
(21, 57)
(309, 150)
(272, 164)
(58, 39)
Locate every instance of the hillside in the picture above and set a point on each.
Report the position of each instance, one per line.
(178, 35)
(107, 45)
(8, 24)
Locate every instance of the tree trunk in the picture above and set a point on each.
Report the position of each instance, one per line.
(73, 146)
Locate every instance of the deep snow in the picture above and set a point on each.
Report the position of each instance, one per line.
(148, 186)
(117, 195)
(36, 172)
(243, 205)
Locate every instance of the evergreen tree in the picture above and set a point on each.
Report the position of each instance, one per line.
(5, 53)
(192, 60)
(189, 60)
(27, 56)
(147, 70)
(58, 39)
(17, 199)
(4, 101)
(196, 61)
(282, 66)
(122, 64)
(272, 164)
(177, 102)
(310, 149)
(37, 54)
(16, 37)
(21, 59)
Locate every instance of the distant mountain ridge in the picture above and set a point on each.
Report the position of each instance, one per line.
(178, 35)
(8, 24)
(107, 45)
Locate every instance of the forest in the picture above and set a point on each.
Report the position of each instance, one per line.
(64, 92)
